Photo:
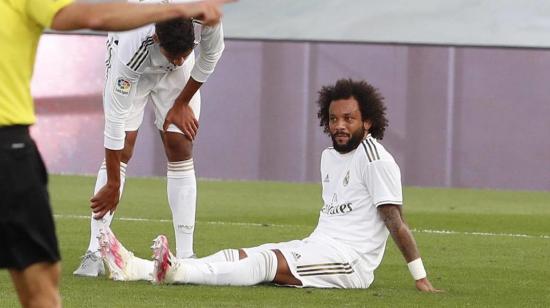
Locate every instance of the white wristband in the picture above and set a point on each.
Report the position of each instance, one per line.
(417, 269)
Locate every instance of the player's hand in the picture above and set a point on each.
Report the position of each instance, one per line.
(105, 201)
(183, 117)
(209, 11)
(424, 285)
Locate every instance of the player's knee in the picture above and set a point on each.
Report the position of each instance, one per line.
(284, 275)
(242, 254)
(178, 148)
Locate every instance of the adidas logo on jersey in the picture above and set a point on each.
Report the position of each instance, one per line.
(326, 180)
(296, 256)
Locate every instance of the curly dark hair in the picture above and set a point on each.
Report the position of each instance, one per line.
(176, 35)
(371, 104)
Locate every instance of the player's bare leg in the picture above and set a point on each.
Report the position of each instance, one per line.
(283, 276)
(181, 189)
(91, 264)
(129, 144)
(38, 285)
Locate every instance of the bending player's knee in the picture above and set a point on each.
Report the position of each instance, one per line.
(242, 254)
(178, 147)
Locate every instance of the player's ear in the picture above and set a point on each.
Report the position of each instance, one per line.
(155, 38)
(367, 124)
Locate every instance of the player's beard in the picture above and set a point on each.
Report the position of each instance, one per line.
(353, 142)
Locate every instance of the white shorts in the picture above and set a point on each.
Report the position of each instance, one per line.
(322, 263)
(161, 89)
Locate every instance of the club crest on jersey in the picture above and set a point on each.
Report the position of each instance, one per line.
(346, 179)
(123, 86)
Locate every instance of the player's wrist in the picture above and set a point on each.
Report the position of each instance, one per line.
(113, 184)
(416, 267)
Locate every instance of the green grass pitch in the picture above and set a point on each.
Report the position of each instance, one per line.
(496, 255)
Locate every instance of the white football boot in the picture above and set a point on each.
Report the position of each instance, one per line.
(91, 265)
(166, 264)
(122, 264)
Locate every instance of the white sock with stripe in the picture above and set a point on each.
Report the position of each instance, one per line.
(226, 255)
(255, 269)
(182, 197)
(95, 224)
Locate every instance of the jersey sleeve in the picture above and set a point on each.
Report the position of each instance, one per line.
(383, 181)
(120, 90)
(119, 94)
(43, 11)
(211, 47)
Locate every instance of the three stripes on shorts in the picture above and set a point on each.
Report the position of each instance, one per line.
(324, 269)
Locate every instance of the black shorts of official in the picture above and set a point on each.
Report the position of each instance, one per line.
(27, 230)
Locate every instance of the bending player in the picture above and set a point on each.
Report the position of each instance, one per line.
(362, 206)
(153, 64)
(27, 233)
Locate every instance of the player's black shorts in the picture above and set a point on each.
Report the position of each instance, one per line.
(27, 231)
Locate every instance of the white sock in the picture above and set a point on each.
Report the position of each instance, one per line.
(182, 196)
(140, 269)
(255, 269)
(226, 255)
(97, 224)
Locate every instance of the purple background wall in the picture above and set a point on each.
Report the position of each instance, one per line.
(459, 117)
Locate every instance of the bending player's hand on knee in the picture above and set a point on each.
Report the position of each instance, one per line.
(105, 201)
(184, 119)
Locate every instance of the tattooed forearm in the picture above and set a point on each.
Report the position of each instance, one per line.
(402, 236)
(392, 217)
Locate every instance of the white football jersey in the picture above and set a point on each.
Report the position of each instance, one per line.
(133, 58)
(354, 185)
(132, 53)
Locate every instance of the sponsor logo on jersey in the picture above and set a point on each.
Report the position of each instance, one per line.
(346, 179)
(337, 209)
(123, 86)
(326, 180)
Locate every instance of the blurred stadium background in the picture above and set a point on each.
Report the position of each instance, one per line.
(466, 84)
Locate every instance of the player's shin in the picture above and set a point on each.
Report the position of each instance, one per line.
(96, 225)
(226, 255)
(254, 269)
(182, 195)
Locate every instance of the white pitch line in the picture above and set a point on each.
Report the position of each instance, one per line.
(481, 233)
(251, 224)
